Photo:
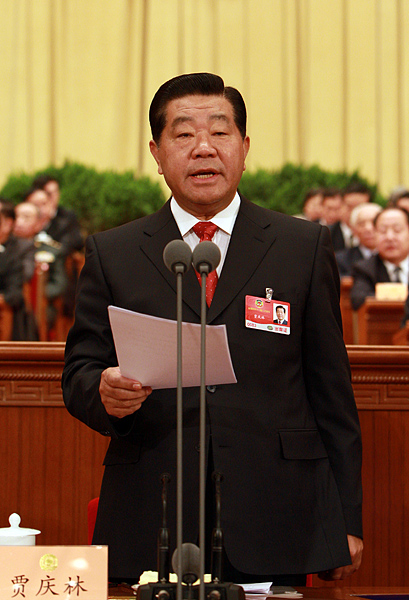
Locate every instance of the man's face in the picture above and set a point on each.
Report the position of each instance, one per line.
(313, 207)
(364, 227)
(44, 203)
(27, 220)
(280, 314)
(201, 153)
(331, 209)
(53, 190)
(350, 201)
(6, 227)
(392, 230)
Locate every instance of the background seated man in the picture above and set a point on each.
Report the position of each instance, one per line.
(342, 234)
(63, 224)
(391, 263)
(29, 222)
(312, 206)
(362, 225)
(11, 267)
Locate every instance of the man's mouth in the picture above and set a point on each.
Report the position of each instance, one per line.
(204, 174)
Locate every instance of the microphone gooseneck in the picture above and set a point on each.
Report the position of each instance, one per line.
(163, 534)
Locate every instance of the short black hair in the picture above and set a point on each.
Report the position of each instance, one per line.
(41, 181)
(311, 193)
(7, 209)
(277, 307)
(190, 84)
(387, 208)
(330, 192)
(357, 187)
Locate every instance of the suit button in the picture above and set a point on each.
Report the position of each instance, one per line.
(211, 388)
(197, 447)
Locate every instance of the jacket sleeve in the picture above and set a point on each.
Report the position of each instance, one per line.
(328, 382)
(90, 348)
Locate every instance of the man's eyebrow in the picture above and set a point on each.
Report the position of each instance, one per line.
(181, 119)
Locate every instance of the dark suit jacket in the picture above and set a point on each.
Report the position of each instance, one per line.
(64, 228)
(11, 272)
(366, 274)
(346, 258)
(283, 323)
(286, 436)
(337, 237)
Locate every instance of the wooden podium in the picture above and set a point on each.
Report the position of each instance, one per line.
(379, 321)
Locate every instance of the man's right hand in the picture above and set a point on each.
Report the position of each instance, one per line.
(121, 396)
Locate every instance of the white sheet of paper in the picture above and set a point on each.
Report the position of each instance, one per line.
(146, 350)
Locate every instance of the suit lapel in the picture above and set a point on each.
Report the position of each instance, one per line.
(252, 236)
(160, 229)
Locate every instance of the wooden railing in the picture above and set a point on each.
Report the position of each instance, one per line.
(52, 463)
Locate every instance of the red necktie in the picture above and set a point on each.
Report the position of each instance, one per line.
(205, 230)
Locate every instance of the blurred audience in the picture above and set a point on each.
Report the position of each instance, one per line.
(362, 224)
(11, 268)
(391, 263)
(400, 197)
(331, 206)
(62, 224)
(312, 206)
(48, 254)
(342, 234)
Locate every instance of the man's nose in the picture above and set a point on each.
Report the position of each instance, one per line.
(203, 145)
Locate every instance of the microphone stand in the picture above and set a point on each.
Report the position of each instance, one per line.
(204, 270)
(179, 270)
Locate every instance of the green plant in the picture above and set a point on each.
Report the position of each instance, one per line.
(100, 199)
(284, 190)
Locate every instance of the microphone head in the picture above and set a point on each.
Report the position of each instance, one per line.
(206, 257)
(177, 256)
(190, 562)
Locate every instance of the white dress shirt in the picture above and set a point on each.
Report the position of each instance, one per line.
(224, 220)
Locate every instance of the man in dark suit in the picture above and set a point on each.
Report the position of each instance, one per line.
(391, 264)
(62, 225)
(286, 436)
(362, 224)
(280, 312)
(342, 233)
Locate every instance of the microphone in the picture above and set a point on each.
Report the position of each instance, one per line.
(190, 563)
(177, 256)
(206, 257)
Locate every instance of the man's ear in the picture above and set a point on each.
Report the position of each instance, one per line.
(153, 147)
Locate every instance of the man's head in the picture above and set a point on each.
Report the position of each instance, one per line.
(312, 205)
(28, 220)
(331, 205)
(392, 231)
(199, 141)
(280, 312)
(51, 186)
(362, 223)
(352, 195)
(42, 200)
(7, 218)
(194, 84)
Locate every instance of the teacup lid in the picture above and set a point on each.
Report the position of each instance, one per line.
(15, 530)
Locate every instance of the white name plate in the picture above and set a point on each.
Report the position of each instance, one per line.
(58, 572)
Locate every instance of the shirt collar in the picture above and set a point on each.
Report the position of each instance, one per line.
(225, 219)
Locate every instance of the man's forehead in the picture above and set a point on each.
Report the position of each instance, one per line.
(196, 106)
(392, 217)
